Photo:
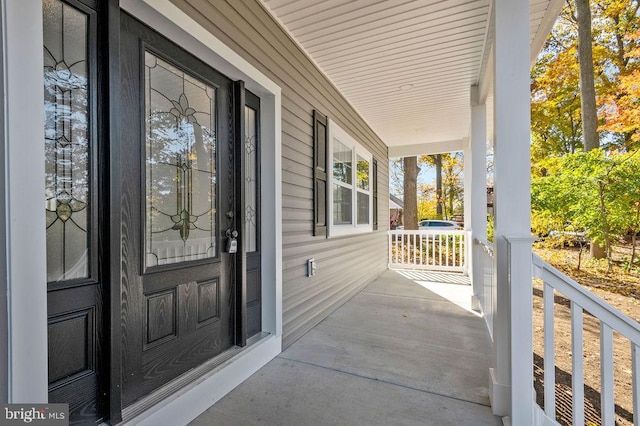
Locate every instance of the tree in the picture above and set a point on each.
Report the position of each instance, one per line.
(426, 201)
(622, 107)
(437, 159)
(453, 187)
(591, 192)
(410, 166)
(396, 176)
(587, 86)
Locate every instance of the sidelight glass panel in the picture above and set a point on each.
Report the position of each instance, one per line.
(67, 140)
(251, 172)
(180, 165)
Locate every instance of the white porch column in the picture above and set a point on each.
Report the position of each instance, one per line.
(510, 395)
(475, 187)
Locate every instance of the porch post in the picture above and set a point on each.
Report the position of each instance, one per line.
(475, 187)
(511, 397)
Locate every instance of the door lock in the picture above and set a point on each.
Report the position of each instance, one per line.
(232, 242)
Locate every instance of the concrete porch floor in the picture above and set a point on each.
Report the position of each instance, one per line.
(398, 353)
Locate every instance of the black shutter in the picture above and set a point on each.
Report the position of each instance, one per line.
(374, 177)
(320, 141)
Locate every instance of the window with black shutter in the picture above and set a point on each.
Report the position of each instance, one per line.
(320, 142)
(374, 177)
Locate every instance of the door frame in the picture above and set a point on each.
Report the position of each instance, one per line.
(24, 191)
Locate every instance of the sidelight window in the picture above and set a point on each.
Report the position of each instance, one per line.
(69, 134)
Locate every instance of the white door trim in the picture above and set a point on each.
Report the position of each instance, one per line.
(23, 137)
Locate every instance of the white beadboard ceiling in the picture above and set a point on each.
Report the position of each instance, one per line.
(406, 65)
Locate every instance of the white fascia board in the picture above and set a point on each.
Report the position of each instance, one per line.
(426, 148)
(549, 19)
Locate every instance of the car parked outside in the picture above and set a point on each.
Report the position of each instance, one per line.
(440, 225)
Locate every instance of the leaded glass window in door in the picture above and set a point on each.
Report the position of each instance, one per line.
(251, 179)
(68, 139)
(180, 165)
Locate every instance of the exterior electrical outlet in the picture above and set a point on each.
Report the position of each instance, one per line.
(311, 267)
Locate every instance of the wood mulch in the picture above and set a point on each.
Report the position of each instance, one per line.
(619, 288)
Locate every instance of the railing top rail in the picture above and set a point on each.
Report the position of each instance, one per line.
(589, 301)
(486, 246)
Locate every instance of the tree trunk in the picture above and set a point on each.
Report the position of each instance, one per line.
(410, 193)
(439, 200)
(588, 93)
(587, 89)
(597, 251)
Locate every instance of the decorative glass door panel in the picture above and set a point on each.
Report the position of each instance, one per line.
(67, 128)
(180, 115)
(251, 181)
(252, 213)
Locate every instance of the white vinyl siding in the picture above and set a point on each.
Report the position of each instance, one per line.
(345, 265)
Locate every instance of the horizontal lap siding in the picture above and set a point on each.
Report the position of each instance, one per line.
(345, 264)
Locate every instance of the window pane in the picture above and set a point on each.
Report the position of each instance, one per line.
(362, 173)
(250, 186)
(67, 140)
(180, 165)
(363, 208)
(341, 205)
(342, 159)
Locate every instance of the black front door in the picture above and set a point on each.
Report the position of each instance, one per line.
(178, 210)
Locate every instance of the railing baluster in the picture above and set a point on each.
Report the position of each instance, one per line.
(549, 352)
(432, 238)
(446, 245)
(606, 375)
(452, 241)
(577, 361)
(391, 251)
(413, 247)
(635, 377)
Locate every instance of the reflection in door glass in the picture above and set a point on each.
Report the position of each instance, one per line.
(67, 137)
(180, 165)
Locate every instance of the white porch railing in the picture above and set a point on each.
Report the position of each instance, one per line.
(483, 261)
(610, 319)
(425, 249)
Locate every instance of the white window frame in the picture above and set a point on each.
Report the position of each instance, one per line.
(357, 150)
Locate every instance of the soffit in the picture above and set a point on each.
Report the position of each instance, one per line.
(405, 65)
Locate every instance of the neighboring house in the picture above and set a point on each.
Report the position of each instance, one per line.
(195, 159)
(396, 206)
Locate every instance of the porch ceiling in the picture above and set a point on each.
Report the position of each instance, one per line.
(406, 65)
